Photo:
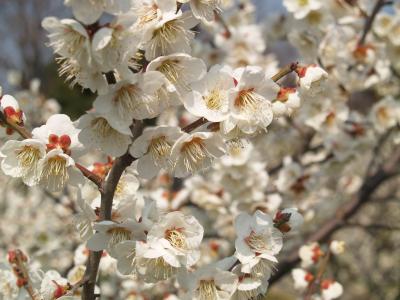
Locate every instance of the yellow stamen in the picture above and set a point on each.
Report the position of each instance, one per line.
(176, 238)
(207, 290)
(54, 172)
(213, 100)
(101, 126)
(159, 149)
(28, 157)
(118, 234)
(194, 153)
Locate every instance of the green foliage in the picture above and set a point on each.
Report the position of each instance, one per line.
(74, 101)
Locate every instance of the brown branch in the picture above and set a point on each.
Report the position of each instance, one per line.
(317, 280)
(343, 213)
(220, 19)
(370, 20)
(107, 196)
(17, 260)
(285, 71)
(192, 126)
(97, 180)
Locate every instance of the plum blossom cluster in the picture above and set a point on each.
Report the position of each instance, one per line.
(308, 279)
(141, 65)
(200, 156)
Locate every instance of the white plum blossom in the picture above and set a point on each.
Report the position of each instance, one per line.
(312, 79)
(53, 286)
(195, 152)
(301, 279)
(301, 8)
(60, 132)
(287, 101)
(331, 289)
(385, 114)
(257, 239)
(97, 132)
(68, 38)
(310, 254)
(172, 243)
(250, 102)
(125, 253)
(248, 286)
(112, 45)
(209, 282)
(57, 169)
(171, 34)
(180, 69)
(88, 11)
(210, 95)
(21, 159)
(337, 247)
(109, 234)
(153, 149)
(203, 10)
(129, 99)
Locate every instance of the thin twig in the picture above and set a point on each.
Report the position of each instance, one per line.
(317, 280)
(220, 19)
(343, 213)
(107, 195)
(370, 20)
(17, 260)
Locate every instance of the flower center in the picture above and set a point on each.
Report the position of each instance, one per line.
(172, 69)
(159, 148)
(302, 2)
(194, 153)
(176, 238)
(207, 290)
(55, 172)
(213, 100)
(314, 17)
(256, 242)
(235, 147)
(28, 157)
(130, 99)
(118, 234)
(101, 127)
(247, 101)
(383, 114)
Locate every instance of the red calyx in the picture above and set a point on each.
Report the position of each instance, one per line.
(284, 92)
(63, 142)
(13, 115)
(309, 277)
(21, 282)
(326, 283)
(59, 292)
(12, 257)
(317, 253)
